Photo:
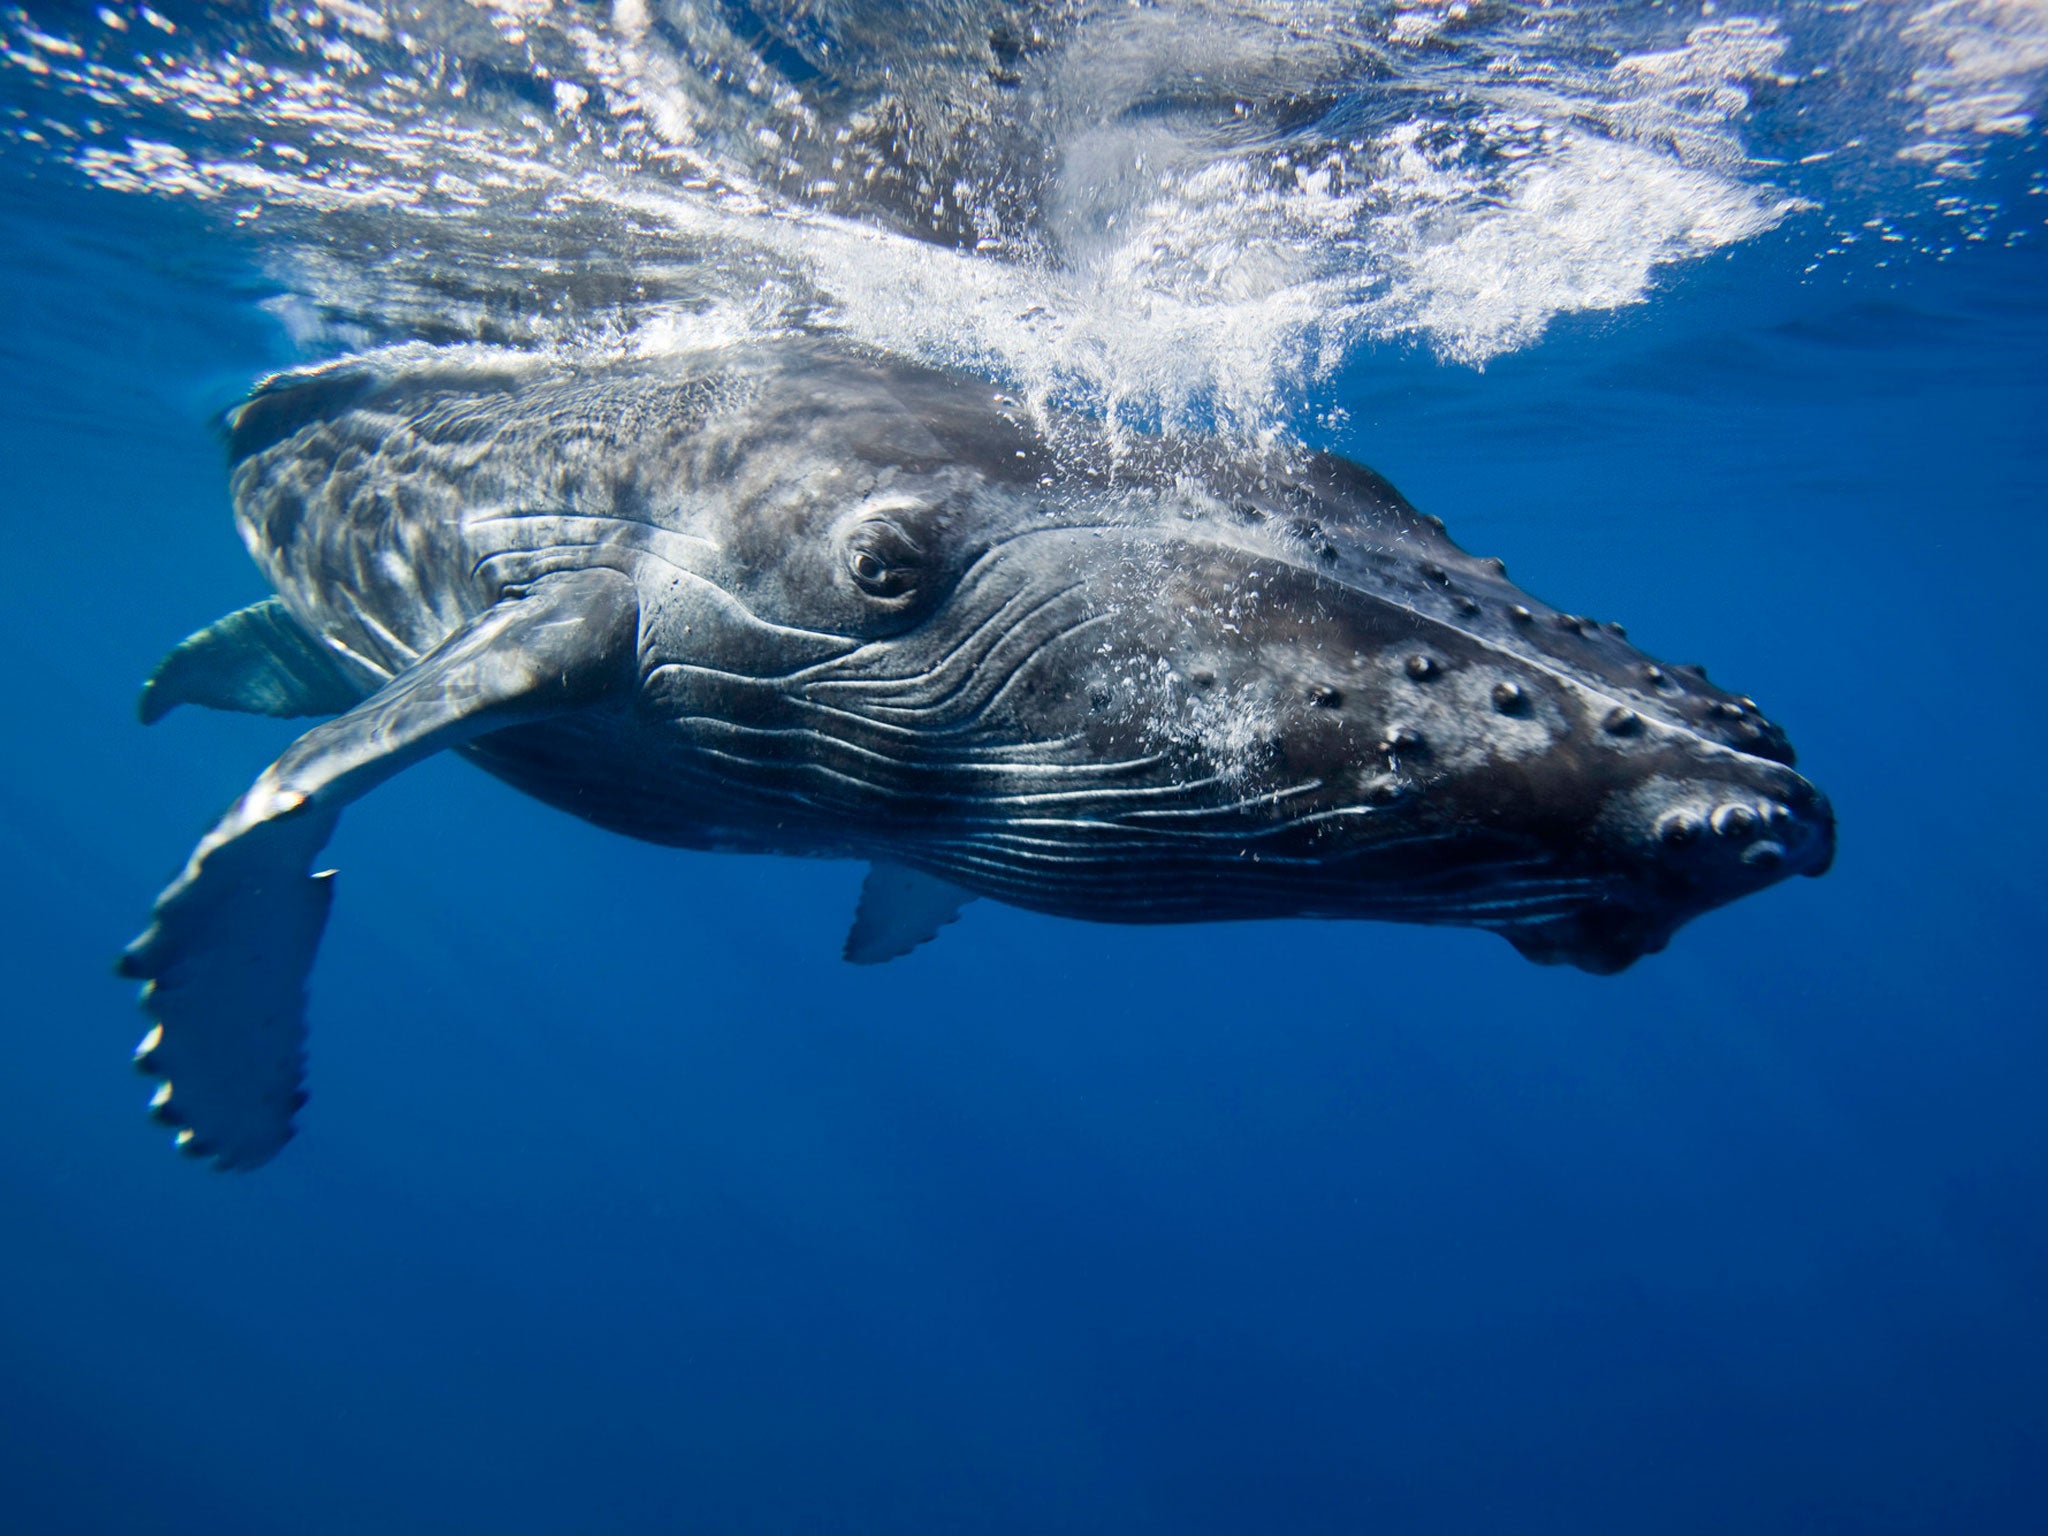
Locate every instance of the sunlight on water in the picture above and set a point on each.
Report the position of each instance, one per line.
(1173, 211)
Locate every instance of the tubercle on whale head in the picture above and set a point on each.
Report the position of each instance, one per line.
(1699, 829)
(1299, 508)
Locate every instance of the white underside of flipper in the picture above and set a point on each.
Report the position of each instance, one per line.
(225, 959)
(224, 966)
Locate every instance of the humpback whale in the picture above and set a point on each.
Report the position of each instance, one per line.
(796, 598)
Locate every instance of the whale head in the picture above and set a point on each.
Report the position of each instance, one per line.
(1150, 681)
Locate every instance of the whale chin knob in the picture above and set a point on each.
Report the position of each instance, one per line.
(1601, 938)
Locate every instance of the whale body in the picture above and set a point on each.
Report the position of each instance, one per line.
(793, 598)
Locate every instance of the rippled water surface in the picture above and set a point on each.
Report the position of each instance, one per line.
(1177, 206)
(623, 1205)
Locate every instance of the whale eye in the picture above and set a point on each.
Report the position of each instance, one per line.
(883, 560)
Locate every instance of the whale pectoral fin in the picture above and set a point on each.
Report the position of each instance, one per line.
(225, 958)
(258, 660)
(900, 909)
(223, 967)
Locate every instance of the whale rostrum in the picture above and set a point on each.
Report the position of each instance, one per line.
(794, 598)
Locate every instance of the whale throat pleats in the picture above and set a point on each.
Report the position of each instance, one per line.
(259, 661)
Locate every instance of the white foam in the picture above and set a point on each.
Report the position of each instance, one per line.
(1983, 74)
(1215, 200)
(1583, 228)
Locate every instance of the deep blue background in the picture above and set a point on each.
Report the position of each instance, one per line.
(623, 1205)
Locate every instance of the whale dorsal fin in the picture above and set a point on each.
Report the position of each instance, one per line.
(224, 962)
(900, 909)
(259, 660)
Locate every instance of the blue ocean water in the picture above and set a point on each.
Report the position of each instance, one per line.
(623, 1205)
